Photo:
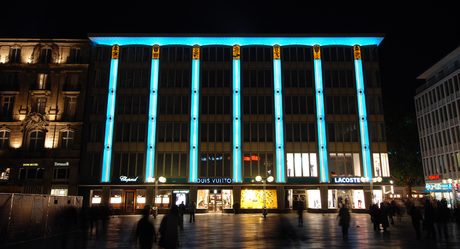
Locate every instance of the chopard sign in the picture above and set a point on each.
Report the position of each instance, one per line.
(127, 179)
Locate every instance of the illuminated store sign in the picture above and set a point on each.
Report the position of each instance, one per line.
(29, 164)
(180, 191)
(347, 180)
(215, 180)
(435, 177)
(127, 179)
(61, 164)
(438, 186)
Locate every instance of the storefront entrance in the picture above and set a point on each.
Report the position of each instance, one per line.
(129, 201)
(215, 203)
(299, 199)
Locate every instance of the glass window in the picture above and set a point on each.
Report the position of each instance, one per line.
(314, 198)
(67, 139)
(358, 199)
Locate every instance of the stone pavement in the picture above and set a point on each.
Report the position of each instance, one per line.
(254, 231)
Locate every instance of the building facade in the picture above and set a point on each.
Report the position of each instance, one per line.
(437, 103)
(42, 92)
(216, 120)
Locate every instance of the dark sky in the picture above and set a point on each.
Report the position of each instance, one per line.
(417, 33)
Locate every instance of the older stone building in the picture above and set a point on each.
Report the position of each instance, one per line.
(42, 91)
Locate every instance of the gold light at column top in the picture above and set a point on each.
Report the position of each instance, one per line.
(156, 52)
(316, 52)
(196, 52)
(236, 52)
(276, 52)
(357, 52)
(115, 51)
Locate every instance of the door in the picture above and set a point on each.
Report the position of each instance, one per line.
(129, 201)
(215, 203)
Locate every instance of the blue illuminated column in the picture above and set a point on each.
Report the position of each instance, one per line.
(193, 174)
(236, 115)
(153, 101)
(321, 123)
(278, 115)
(362, 113)
(108, 139)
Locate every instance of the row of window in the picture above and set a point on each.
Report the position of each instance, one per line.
(299, 105)
(172, 132)
(10, 81)
(214, 165)
(438, 116)
(130, 132)
(133, 78)
(442, 164)
(300, 132)
(440, 139)
(37, 140)
(297, 78)
(171, 165)
(215, 132)
(174, 104)
(257, 78)
(258, 164)
(339, 78)
(215, 104)
(174, 78)
(257, 132)
(130, 104)
(257, 105)
(128, 164)
(341, 104)
(45, 56)
(438, 93)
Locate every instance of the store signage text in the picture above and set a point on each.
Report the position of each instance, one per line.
(29, 164)
(347, 180)
(438, 186)
(215, 180)
(435, 177)
(180, 191)
(61, 164)
(127, 179)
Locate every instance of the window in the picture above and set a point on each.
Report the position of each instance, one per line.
(257, 132)
(71, 82)
(42, 81)
(299, 105)
(45, 56)
(215, 78)
(300, 132)
(67, 139)
(40, 105)
(175, 78)
(11, 82)
(171, 165)
(175, 54)
(4, 140)
(344, 164)
(61, 174)
(215, 104)
(258, 164)
(256, 54)
(95, 134)
(257, 78)
(342, 132)
(215, 54)
(31, 173)
(169, 132)
(130, 132)
(214, 165)
(381, 166)
(133, 78)
(215, 132)
(135, 53)
(36, 141)
(75, 56)
(93, 165)
(341, 104)
(101, 78)
(8, 103)
(70, 108)
(174, 104)
(293, 54)
(15, 55)
(297, 78)
(301, 165)
(98, 103)
(103, 53)
(4, 173)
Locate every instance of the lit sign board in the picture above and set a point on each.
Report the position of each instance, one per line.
(438, 186)
(29, 164)
(127, 179)
(61, 164)
(347, 180)
(180, 191)
(435, 177)
(215, 180)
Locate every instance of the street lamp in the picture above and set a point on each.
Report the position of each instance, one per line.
(260, 179)
(160, 179)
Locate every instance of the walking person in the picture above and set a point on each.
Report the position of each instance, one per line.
(429, 220)
(145, 231)
(169, 229)
(344, 221)
(181, 212)
(192, 209)
(375, 214)
(300, 212)
(416, 215)
(384, 216)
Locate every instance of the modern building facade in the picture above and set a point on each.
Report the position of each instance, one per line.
(174, 119)
(437, 103)
(42, 92)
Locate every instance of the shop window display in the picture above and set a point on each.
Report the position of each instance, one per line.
(343, 198)
(180, 197)
(381, 167)
(115, 198)
(314, 198)
(377, 196)
(358, 199)
(162, 201)
(59, 192)
(203, 197)
(254, 198)
(227, 198)
(140, 202)
(96, 196)
(332, 198)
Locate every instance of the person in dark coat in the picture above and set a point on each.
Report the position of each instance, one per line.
(384, 216)
(416, 215)
(145, 231)
(375, 214)
(442, 214)
(300, 212)
(169, 229)
(429, 220)
(344, 221)
(192, 209)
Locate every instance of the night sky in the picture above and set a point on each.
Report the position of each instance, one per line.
(417, 33)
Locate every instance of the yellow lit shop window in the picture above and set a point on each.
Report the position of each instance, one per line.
(254, 198)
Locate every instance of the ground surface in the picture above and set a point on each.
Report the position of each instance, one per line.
(254, 231)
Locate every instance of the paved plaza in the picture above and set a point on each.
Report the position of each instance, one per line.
(254, 231)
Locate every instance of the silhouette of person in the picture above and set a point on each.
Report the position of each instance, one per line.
(344, 221)
(192, 209)
(145, 231)
(416, 216)
(429, 220)
(168, 229)
(300, 212)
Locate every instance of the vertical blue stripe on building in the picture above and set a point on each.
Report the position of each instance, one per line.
(194, 121)
(279, 131)
(321, 123)
(151, 137)
(237, 145)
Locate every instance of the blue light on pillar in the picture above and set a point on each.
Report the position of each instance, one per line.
(108, 138)
(237, 146)
(279, 130)
(193, 174)
(366, 154)
(321, 123)
(153, 101)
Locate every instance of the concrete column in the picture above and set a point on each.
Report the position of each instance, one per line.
(281, 198)
(149, 195)
(105, 196)
(367, 196)
(193, 194)
(323, 192)
(237, 194)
